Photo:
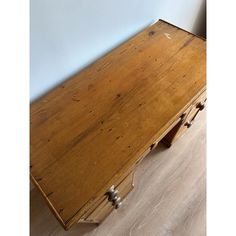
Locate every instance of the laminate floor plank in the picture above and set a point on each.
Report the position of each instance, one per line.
(169, 198)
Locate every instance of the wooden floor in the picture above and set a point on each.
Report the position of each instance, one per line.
(169, 197)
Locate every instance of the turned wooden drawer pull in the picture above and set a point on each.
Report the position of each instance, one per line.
(113, 197)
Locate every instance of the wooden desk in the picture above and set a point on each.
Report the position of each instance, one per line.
(90, 132)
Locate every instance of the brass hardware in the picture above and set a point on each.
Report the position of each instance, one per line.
(113, 197)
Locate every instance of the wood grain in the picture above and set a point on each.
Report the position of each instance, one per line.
(90, 130)
(188, 117)
(169, 197)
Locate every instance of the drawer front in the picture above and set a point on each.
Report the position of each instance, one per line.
(198, 105)
(187, 120)
(106, 206)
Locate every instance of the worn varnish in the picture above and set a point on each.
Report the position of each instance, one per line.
(169, 197)
(92, 129)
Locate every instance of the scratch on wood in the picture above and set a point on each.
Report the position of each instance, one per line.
(167, 35)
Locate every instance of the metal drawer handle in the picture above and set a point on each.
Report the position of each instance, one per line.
(112, 193)
(189, 124)
(113, 197)
(200, 107)
(118, 205)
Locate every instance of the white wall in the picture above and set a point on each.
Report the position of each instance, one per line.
(67, 35)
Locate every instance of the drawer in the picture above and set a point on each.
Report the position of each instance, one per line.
(198, 105)
(106, 205)
(187, 120)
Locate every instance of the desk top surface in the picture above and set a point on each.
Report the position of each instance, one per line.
(97, 124)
